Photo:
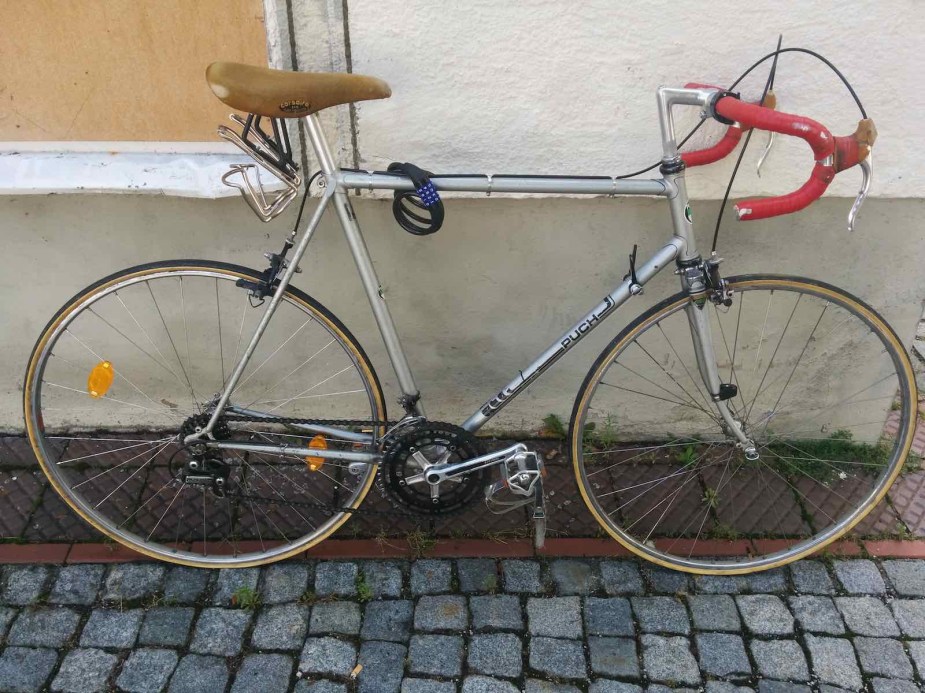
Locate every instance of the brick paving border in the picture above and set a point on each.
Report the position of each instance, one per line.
(358, 549)
(32, 513)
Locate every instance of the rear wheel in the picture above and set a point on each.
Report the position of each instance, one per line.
(134, 363)
(825, 390)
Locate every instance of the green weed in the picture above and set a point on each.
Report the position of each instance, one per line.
(828, 459)
(420, 542)
(711, 497)
(364, 591)
(687, 455)
(553, 427)
(245, 598)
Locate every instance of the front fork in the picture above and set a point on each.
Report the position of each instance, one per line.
(701, 280)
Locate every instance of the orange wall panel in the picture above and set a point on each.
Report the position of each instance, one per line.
(122, 70)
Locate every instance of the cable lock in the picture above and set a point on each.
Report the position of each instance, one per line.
(424, 199)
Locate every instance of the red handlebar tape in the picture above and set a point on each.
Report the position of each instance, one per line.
(816, 135)
(718, 151)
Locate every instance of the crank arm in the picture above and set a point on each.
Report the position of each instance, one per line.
(441, 472)
(295, 451)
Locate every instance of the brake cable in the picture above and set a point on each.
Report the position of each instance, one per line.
(768, 85)
(773, 55)
(308, 187)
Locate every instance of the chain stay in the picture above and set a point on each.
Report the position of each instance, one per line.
(309, 422)
(330, 509)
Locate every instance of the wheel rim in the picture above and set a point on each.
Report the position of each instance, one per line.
(173, 337)
(665, 482)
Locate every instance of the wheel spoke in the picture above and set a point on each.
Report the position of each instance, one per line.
(120, 457)
(833, 438)
(274, 353)
(748, 412)
(173, 345)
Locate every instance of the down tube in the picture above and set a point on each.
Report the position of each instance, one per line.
(557, 350)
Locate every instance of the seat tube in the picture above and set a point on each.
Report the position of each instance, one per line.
(357, 244)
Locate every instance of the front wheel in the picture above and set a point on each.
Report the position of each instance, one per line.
(135, 363)
(824, 389)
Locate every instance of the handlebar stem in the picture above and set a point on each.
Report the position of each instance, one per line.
(675, 96)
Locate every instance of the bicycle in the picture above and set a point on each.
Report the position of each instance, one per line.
(209, 435)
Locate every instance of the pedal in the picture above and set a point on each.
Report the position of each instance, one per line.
(521, 485)
(539, 515)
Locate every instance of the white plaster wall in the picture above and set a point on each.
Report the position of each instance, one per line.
(546, 86)
(538, 87)
(473, 303)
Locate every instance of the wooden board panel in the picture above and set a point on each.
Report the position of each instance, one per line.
(120, 70)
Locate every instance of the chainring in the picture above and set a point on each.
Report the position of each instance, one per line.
(434, 440)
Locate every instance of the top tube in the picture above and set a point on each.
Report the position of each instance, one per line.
(482, 183)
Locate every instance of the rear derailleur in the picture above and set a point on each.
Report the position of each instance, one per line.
(437, 468)
(204, 466)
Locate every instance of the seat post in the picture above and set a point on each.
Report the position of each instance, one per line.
(348, 221)
(320, 145)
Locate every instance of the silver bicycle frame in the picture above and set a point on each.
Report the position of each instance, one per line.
(681, 248)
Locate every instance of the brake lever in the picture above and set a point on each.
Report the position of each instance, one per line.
(867, 174)
(764, 154)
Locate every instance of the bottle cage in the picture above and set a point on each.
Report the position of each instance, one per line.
(273, 153)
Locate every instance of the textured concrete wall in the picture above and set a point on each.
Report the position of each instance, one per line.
(535, 87)
(474, 303)
(551, 87)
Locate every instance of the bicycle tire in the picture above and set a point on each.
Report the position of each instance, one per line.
(188, 553)
(620, 521)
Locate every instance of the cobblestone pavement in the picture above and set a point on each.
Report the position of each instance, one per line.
(470, 625)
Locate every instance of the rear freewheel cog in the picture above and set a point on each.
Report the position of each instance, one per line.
(438, 443)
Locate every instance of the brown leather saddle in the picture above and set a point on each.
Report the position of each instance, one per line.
(283, 94)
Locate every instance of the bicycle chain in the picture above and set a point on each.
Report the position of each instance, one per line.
(317, 422)
(309, 422)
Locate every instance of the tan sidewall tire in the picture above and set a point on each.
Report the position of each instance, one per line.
(316, 309)
(646, 319)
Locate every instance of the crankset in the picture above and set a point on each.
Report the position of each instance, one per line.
(436, 469)
(417, 448)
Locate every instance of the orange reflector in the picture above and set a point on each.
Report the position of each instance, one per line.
(100, 379)
(318, 443)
